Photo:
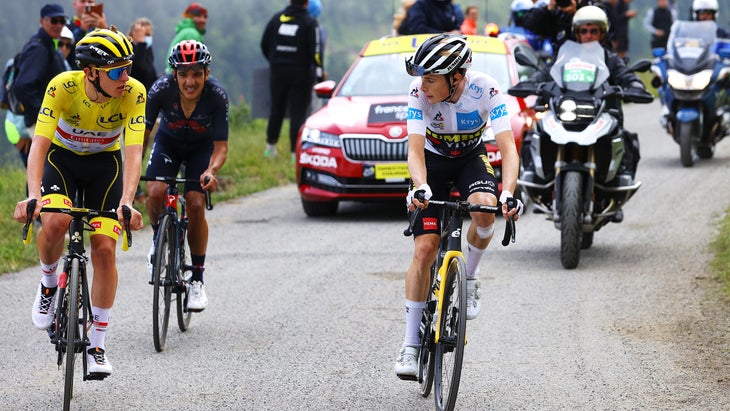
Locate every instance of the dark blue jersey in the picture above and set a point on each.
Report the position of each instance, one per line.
(208, 122)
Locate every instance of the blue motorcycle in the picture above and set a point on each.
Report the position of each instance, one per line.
(692, 76)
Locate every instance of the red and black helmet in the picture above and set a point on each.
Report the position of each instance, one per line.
(189, 52)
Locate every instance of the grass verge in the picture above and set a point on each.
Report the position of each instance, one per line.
(246, 171)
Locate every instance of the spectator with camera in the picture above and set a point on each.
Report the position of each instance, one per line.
(554, 20)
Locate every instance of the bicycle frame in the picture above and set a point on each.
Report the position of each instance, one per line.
(449, 248)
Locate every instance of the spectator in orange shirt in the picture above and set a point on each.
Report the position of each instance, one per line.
(469, 26)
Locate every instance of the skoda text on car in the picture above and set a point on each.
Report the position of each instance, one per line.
(355, 147)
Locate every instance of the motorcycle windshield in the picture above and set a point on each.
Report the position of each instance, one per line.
(689, 48)
(580, 67)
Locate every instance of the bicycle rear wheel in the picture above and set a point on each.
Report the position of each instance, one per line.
(450, 347)
(162, 283)
(183, 276)
(72, 331)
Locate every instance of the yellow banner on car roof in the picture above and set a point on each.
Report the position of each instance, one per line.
(409, 44)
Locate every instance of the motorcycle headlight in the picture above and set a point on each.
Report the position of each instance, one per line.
(313, 135)
(567, 110)
(697, 81)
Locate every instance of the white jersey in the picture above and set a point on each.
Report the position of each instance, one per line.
(454, 129)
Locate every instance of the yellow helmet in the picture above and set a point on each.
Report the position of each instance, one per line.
(103, 47)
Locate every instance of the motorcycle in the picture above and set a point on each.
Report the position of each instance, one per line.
(692, 77)
(578, 146)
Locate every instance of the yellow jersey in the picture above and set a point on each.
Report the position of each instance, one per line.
(71, 120)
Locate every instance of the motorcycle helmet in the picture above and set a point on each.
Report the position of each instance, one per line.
(590, 15)
(103, 47)
(189, 52)
(518, 10)
(441, 54)
(710, 6)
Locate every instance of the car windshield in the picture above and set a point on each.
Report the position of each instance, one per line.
(385, 75)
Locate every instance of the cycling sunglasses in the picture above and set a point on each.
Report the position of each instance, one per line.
(414, 69)
(115, 73)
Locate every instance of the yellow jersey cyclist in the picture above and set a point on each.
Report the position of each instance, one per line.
(193, 110)
(78, 146)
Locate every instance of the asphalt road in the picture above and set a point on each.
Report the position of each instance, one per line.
(307, 314)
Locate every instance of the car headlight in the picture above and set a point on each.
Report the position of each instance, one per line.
(697, 81)
(315, 136)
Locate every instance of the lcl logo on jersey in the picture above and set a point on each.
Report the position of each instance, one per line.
(71, 87)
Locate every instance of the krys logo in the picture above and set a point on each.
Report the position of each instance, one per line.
(468, 121)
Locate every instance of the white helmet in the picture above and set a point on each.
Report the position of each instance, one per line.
(704, 5)
(521, 5)
(591, 15)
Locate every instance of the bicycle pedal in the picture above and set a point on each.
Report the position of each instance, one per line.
(407, 377)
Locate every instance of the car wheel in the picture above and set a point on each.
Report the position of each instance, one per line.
(319, 208)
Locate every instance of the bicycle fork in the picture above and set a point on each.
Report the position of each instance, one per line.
(440, 290)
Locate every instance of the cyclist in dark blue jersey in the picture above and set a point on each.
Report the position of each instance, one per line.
(193, 110)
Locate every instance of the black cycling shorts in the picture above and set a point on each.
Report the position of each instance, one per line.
(167, 156)
(98, 176)
(470, 173)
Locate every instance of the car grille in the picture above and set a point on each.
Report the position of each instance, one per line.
(374, 148)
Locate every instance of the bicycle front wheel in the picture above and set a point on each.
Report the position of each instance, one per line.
(72, 331)
(426, 353)
(161, 280)
(450, 347)
(183, 276)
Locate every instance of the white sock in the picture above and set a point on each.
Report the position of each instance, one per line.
(98, 330)
(414, 311)
(49, 279)
(473, 256)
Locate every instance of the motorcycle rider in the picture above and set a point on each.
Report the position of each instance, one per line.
(590, 23)
(706, 10)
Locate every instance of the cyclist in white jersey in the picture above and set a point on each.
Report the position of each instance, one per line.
(448, 110)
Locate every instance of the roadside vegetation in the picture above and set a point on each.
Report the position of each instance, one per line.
(246, 171)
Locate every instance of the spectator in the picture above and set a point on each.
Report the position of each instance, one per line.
(431, 16)
(291, 44)
(619, 15)
(65, 44)
(83, 22)
(39, 63)
(469, 26)
(193, 110)
(143, 69)
(554, 21)
(401, 15)
(191, 27)
(658, 21)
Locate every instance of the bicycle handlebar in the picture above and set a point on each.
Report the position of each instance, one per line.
(170, 181)
(77, 212)
(465, 207)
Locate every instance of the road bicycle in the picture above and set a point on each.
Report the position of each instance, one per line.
(72, 320)
(443, 324)
(171, 265)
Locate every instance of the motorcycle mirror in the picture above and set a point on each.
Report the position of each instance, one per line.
(524, 59)
(641, 66)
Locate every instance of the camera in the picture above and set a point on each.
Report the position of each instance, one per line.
(563, 3)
